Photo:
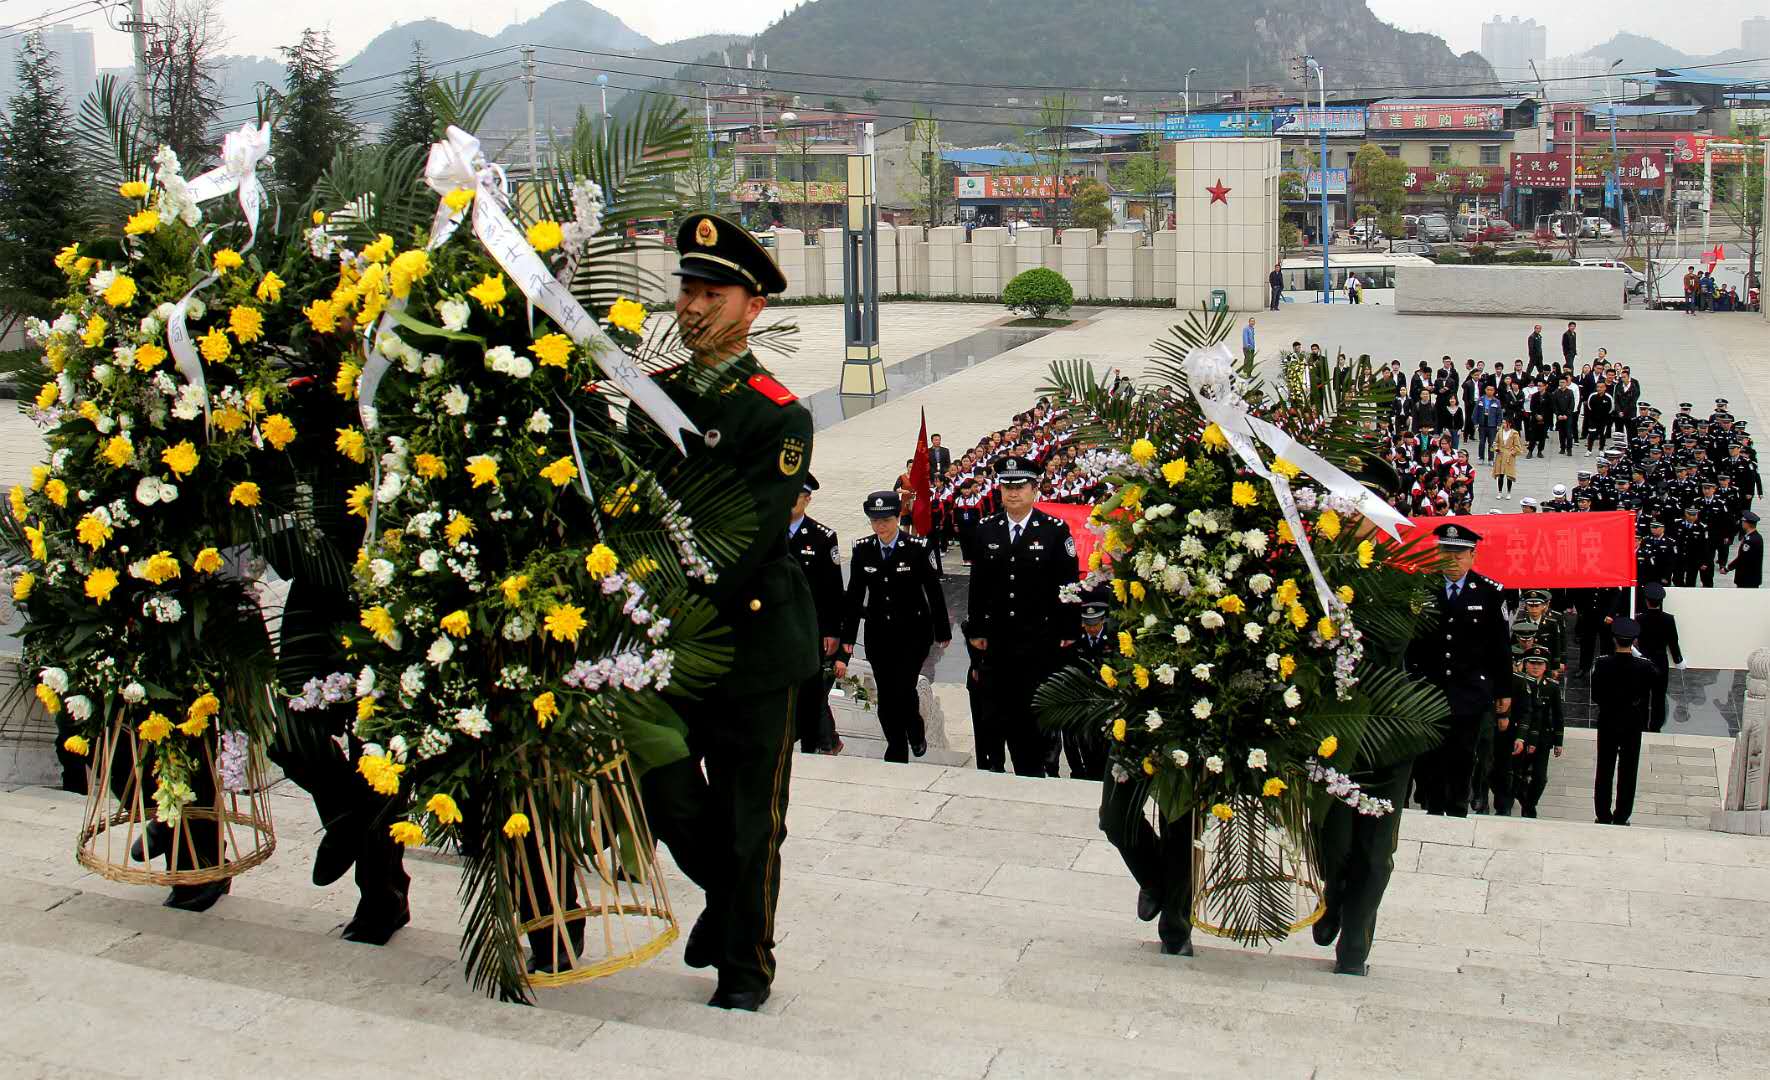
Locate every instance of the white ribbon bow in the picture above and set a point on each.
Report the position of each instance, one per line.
(241, 153)
(1210, 374)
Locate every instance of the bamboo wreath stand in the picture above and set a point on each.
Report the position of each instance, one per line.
(1251, 880)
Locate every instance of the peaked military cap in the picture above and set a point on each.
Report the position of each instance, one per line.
(1528, 502)
(1536, 653)
(810, 484)
(1536, 596)
(711, 248)
(1014, 469)
(1653, 591)
(1625, 629)
(1524, 628)
(882, 504)
(1749, 518)
(1094, 605)
(1452, 535)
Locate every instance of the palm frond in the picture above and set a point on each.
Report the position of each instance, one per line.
(109, 138)
(381, 189)
(463, 100)
(1074, 699)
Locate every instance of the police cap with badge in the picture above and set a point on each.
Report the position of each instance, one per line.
(710, 248)
(1456, 537)
(882, 504)
(1015, 470)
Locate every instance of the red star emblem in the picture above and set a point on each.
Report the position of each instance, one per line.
(1219, 193)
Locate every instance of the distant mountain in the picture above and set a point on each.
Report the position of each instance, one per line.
(1640, 53)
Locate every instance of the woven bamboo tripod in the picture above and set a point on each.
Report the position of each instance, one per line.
(619, 890)
(1294, 867)
(234, 825)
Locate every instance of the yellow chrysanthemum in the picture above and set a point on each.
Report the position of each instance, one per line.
(160, 568)
(601, 562)
(490, 293)
(20, 509)
(77, 745)
(381, 772)
(1285, 469)
(1326, 628)
(406, 833)
(1148, 766)
(214, 345)
(270, 288)
(429, 466)
(545, 235)
(546, 708)
(379, 622)
(34, 537)
(66, 256)
(50, 700)
(1094, 560)
(458, 530)
(1119, 590)
(1174, 472)
(1138, 592)
(1329, 524)
(145, 221)
(553, 350)
(93, 336)
(149, 356)
(357, 500)
(22, 586)
(366, 708)
(513, 587)
(93, 532)
(516, 826)
(1127, 646)
(1242, 494)
(628, 315)
(49, 394)
(1345, 594)
(1273, 788)
(409, 268)
(1287, 593)
(278, 431)
(1285, 536)
(322, 315)
(351, 444)
(194, 727)
(1232, 604)
(1222, 811)
(55, 355)
(57, 492)
(1108, 676)
(89, 412)
(133, 189)
(1328, 746)
(228, 259)
(208, 561)
(1367, 554)
(484, 470)
(204, 707)
(1142, 451)
(1118, 730)
(560, 473)
(244, 493)
(318, 217)
(156, 727)
(181, 458)
(247, 323)
(455, 623)
(445, 810)
(564, 622)
(380, 251)
(1287, 666)
(1140, 675)
(459, 199)
(39, 479)
(1299, 617)
(1214, 439)
(121, 291)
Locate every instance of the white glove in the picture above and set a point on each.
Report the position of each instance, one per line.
(1680, 665)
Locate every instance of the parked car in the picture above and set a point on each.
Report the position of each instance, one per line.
(1497, 230)
(1411, 247)
(1410, 223)
(1654, 224)
(1596, 228)
(1366, 231)
(1435, 228)
(1634, 282)
(1556, 226)
(1467, 227)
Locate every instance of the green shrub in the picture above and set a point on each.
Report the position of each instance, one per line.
(1038, 292)
(1527, 255)
(1481, 254)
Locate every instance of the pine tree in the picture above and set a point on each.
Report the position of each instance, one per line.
(413, 122)
(40, 185)
(314, 122)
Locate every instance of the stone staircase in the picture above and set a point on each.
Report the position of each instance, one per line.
(934, 922)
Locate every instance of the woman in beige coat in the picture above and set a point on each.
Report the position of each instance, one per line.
(1507, 445)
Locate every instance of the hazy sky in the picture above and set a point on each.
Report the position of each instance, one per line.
(1574, 25)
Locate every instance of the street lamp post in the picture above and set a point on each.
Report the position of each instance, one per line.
(1622, 207)
(1186, 100)
(1327, 232)
(712, 179)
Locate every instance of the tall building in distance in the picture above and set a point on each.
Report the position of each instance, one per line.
(70, 46)
(1511, 44)
(1754, 36)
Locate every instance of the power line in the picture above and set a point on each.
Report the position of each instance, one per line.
(12, 31)
(429, 68)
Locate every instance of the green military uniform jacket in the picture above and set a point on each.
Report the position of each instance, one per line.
(1536, 712)
(757, 429)
(1552, 635)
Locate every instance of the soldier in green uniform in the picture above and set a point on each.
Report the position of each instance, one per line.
(1540, 696)
(1551, 631)
(724, 825)
(1512, 727)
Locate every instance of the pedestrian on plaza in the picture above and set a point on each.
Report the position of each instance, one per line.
(894, 587)
(1658, 643)
(1695, 550)
(1489, 413)
(1747, 566)
(1626, 392)
(1622, 687)
(1566, 405)
(1570, 344)
(1275, 283)
(1598, 406)
(1248, 349)
(1471, 392)
(939, 457)
(1690, 282)
(1539, 417)
(818, 553)
(1461, 648)
(1507, 445)
(1534, 347)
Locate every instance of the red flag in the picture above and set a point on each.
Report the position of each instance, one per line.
(1075, 515)
(922, 514)
(1716, 256)
(1544, 551)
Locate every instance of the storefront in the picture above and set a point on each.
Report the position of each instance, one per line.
(1002, 200)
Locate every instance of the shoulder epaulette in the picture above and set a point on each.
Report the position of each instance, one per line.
(773, 391)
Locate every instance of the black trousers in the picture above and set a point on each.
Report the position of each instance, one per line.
(722, 811)
(1161, 861)
(1504, 777)
(900, 712)
(1277, 294)
(1656, 706)
(1086, 753)
(813, 722)
(1357, 856)
(1567, 434)
(1531, 778)
(1013, 673)
(1481, 771)
(1619, 756)
(1448, 770)
(990, 748)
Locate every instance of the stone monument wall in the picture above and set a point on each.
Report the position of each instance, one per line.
(1563, 292)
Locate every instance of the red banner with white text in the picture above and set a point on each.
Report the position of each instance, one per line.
(1547, 551)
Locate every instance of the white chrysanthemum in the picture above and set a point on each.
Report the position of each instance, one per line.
(1166, 674)
(1255, 541)
(1292, 698)
(1181, 758)
(411, 681)
(439, 652)
(1214, 764)
(134, 693)
(1260, 584)
(1254, 631)
(79, 708)
(1271, 661)
(1153, 721)
(1201, 672)
(1150, 622)
(454, 313)
(1201, 708)
(1210, 620)
(429, 560)
(540, 423)
(381, 573)
(503, 360)
(472, 722)
(54, 678)
(1256, 759)
(365, 682)
(455, 401)
(1182, 633)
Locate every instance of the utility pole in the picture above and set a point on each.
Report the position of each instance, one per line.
(528, 78)
(1622, 207)
(138, 28)
(1187, 101)
(1579, 219)
(1327, 230)
(707, 100)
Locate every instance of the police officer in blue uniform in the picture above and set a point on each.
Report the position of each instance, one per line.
(814, 545)
(893, 585)
(1016, 618)
(1462, 648)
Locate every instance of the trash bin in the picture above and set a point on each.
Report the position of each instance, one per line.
(1219, 300)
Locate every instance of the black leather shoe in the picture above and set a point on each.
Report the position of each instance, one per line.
(1326, 928)
(198, 897)
(1344, 967)
(741, 1000)
(1176, 935)
(337, 852)
(702, 948)
(376, 929)
(153, 842)
(919, 747)
(1182, 947)
(1148, 907)
(548, 965)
